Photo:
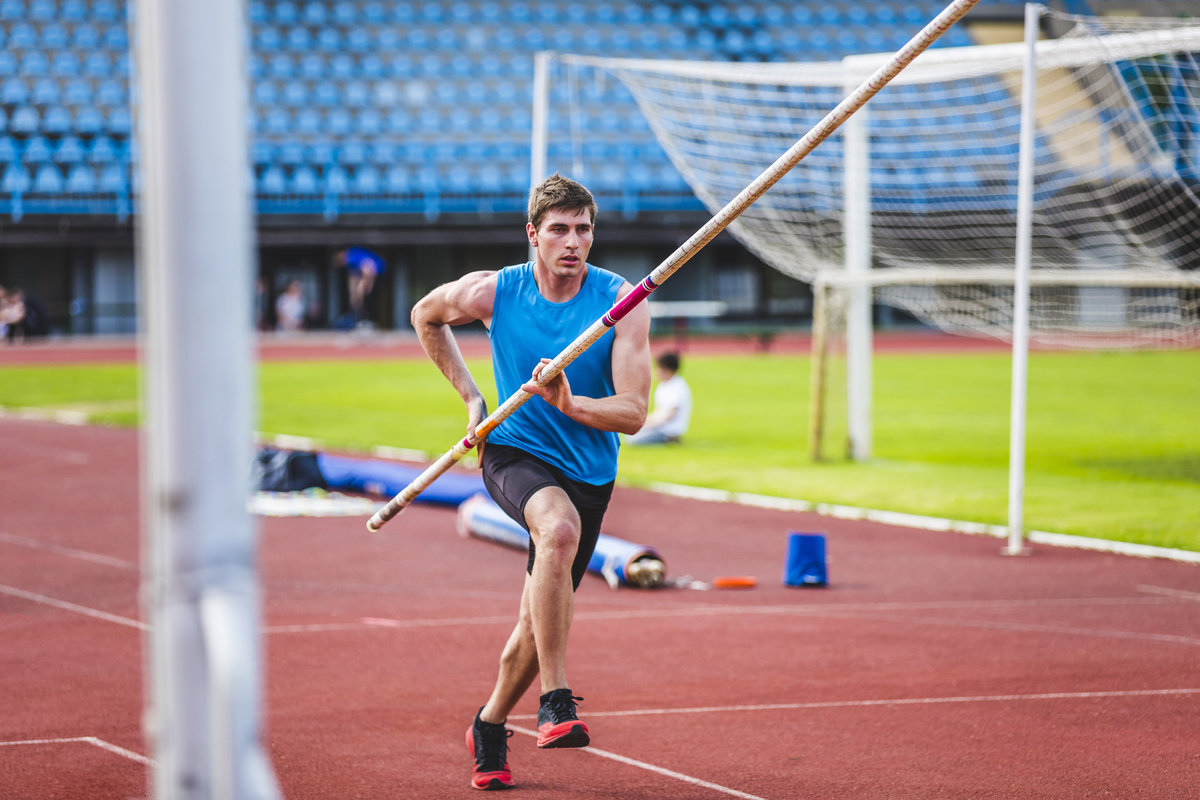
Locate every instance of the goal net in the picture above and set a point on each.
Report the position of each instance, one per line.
(932, 162)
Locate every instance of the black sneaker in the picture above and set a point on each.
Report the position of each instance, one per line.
(557, 724)
(488, 744)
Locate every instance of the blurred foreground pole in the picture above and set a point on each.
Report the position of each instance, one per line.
(199, 586)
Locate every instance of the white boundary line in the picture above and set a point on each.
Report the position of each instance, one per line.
(903, 520)
(679, 776)
(70, 552)
(903, 701)
(68, 606)
(92, 740)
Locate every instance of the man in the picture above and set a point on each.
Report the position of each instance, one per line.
(672, 413)
(362, 268)
(552, 463)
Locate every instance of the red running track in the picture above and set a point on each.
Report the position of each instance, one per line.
(932, 667)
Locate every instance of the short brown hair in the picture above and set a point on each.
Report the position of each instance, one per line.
(557, 193)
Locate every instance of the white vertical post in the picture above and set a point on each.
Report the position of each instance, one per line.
(1020, 343)
(195, 244)
(856, 226)
(540, 140)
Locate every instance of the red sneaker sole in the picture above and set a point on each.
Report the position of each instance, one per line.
(565, 734)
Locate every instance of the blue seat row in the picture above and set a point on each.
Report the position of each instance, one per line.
(58, 36)
(61, 120)
(106, 92)
(37, 150)
(64, 63)
(66, 10)
(49, 179)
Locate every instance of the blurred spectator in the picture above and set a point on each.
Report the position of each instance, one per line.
(290, 308)
(12, 313)
(672, 413)
(362, 268)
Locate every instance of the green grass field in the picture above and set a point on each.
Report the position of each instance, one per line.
(1113, 444)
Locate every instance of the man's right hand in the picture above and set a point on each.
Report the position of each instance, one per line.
(476, 413)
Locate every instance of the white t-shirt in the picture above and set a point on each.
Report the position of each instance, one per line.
(674, 393)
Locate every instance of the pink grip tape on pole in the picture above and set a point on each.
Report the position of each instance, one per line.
(805, 145)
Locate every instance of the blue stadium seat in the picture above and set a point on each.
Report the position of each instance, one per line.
(42, 10)
(329, 40)
(272, 181)
(277, 122)
(356, 94)
(14, 91)
(281, 66)
(262, 152)
(46, 92)
(265, 93)
(73, 10)
(98, 64)
(8, 63)
(291, 154)
(368, 122)
(304, 181)
(22, 36)
(314, 14)
(320, 153)
(398, 180)
(16, 180)
(35, 64)
(57, 120)
(342, 67)
(286, 13)
(358, 40)
(338, 122)
(65, 64)
(89, 120)
(258, 13)
(80, 180)
(9, 150)
(308, 121)
(103, 151)
(382, 152)
(107, 11)
(326, 94)
(336, 180)
(116, 37)
(85, 37)
(295, 94)
(268, 40)
(77, 92)
(312, 67)
(12, 9)
(374, 13)
(345, 13)
(119, 120)
(54, 37)
(372, 67)
(48, 180)
(352, 153)
(25, 119)
(299, 39)
(113, 179)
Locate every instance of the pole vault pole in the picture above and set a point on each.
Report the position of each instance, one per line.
(819, 132)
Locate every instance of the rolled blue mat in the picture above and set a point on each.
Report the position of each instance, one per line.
(618, 561)
(387, 479)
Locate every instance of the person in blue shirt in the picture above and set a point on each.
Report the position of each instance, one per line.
(362, 268)
(551, 465)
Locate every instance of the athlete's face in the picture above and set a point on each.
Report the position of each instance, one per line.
(563, 241)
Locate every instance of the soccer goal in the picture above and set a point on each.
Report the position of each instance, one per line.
(913, 204)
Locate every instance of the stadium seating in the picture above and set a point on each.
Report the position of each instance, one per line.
(406, 107)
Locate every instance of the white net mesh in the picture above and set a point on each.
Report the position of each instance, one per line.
(1117, 174)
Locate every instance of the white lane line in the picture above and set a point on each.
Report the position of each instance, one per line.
(670, 773)
(70, 552)
(903, 701)
(92, 740)
(1165, 592)
(67, 606)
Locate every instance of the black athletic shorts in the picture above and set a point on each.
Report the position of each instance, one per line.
(512, 476)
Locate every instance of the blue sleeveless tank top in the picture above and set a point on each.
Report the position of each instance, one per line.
(527, 327)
